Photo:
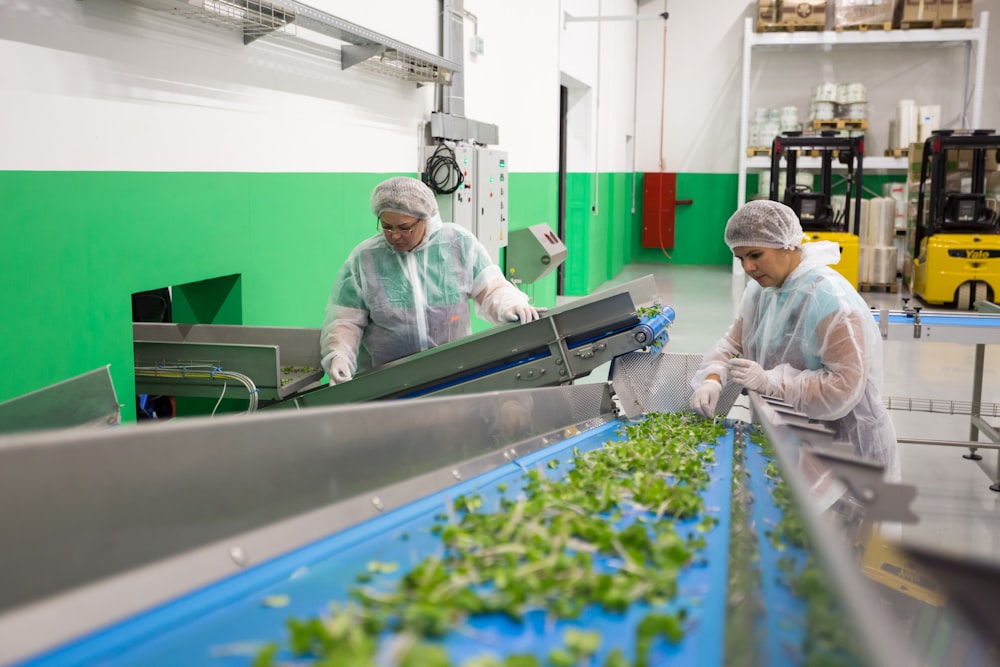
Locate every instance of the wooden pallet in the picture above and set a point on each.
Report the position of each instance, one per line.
(891, 288)
(758, 152)
(953, 23)
(789, 27)
(916, 25)
(816, 152)
(840, 124)
(897, 152)
(864, 27)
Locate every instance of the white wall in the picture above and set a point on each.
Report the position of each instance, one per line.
(108, 85)
(597, 64)
(515, 83)
(103, 84)
(697, 106)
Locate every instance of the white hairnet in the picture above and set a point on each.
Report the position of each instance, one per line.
(764, 223)
(404, 195)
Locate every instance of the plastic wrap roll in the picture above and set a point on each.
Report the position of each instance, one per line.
(882, 262)
(929, 120)
(768, 131)
(906, 121)
(764, 184)
(821, 110)
(879, 222)
(864, 268)
(900, 243)
(825, 92)
(853, 110)
(887, 223)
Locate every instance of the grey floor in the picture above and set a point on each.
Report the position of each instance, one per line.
(957, 509)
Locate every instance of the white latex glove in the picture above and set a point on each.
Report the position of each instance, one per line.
(706, 397)
(340, 370)
(750, 374)
(520, 312)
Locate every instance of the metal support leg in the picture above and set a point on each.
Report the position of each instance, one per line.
(977, 401)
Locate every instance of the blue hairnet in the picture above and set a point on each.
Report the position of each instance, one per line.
(404, 195)
(764, 223)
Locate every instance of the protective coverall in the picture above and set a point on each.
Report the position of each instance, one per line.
(821, 351)
(387, 304)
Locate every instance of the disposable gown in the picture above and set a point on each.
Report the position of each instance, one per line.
(387, 304)
(817, 341)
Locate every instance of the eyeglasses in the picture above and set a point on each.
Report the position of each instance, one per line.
(402, 229)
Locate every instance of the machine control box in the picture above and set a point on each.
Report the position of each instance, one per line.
(491, 200)
(533, 252)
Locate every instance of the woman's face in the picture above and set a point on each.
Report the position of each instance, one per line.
(768, 266)
(403, 232)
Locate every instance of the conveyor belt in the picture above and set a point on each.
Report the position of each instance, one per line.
(967, 328)
(169, 545)
(227, 623)
(567, 343)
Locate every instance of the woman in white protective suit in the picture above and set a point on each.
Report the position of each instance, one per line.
(803, 334)
(408, 288)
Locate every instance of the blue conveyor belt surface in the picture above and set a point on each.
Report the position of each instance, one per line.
(930, 319)
(783, 620)
(226, 623)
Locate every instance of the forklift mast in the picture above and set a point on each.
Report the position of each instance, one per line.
(814, 209)
(940, 210)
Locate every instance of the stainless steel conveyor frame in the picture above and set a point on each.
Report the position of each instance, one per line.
(279, 361)
(979, 329)
(112, 522)
(567, 343)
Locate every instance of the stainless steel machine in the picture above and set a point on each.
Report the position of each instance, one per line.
(281, 366)
(202, 541)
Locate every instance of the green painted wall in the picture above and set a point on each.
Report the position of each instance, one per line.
(263, 250)
(601, 243)
(78, 244)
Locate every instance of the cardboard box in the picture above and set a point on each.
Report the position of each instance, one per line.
(954, 11)
(917, 10)
(767, 12)
(956, 160)
(848, 13)
(963, 160)
(806, 13)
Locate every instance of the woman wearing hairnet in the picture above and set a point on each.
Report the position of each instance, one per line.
(407, 289)
(803, 334)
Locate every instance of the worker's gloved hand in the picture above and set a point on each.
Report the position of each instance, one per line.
(750, 374)
(706, 397)
(520, 312)
(340, 370)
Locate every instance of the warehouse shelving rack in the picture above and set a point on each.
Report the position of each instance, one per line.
(973, 39)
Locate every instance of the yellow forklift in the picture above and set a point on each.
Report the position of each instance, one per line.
(957, 236)
(814, 208)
